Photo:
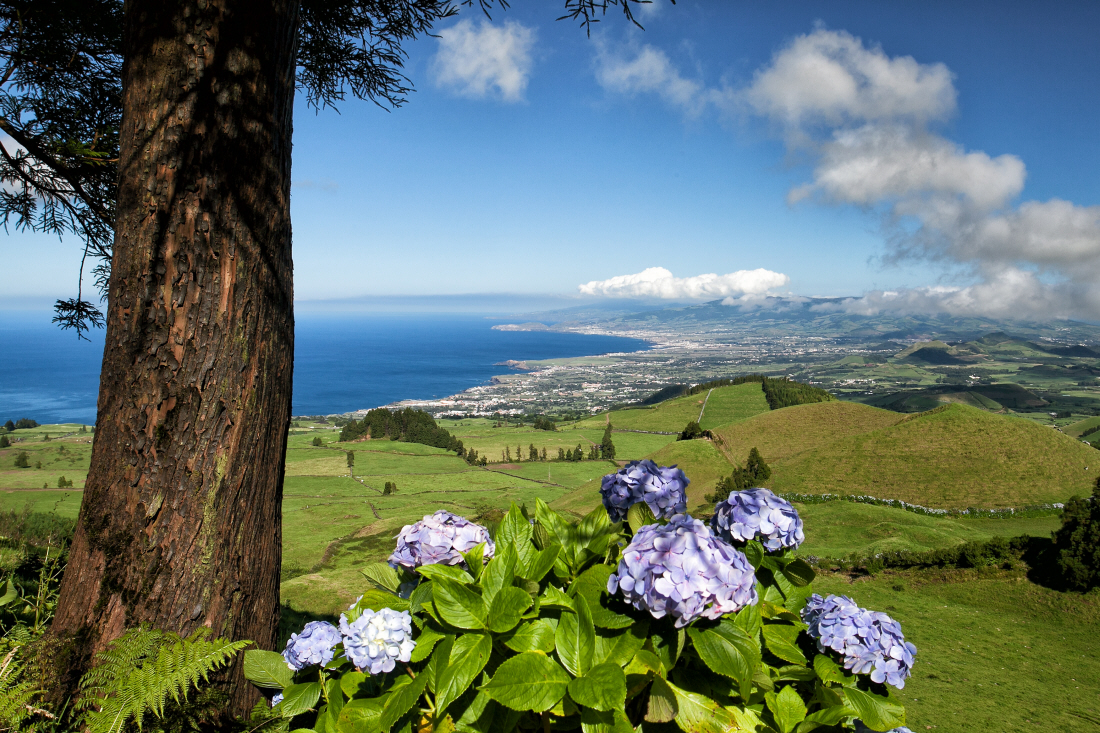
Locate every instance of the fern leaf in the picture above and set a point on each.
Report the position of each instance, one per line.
(143, 668)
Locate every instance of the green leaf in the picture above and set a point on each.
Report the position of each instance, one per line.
(10, 595)
(799, 572)
(644, 661)
(596, 721)
(575, 639)
(335, 697)
(514, 528)
(824, 717)
(541, 563)
(667, 643)
(754, 551)
(699, 714)
(475, 559)
(639, 515)
(375, 600)
(421, 594)
(350, 683)
(537, 635)
(467, 659)
(748, 618)
(360, 716)
(400, 701)
(507, 607)
(662, 702)
(267, 669)
(876, 712)
(382, 575)
(728, 651)
(424, 644)
(593, 528)
(787, 708)
(499, 573)
(602, 688)
(554, 598)
(620, 647)
(528, 681)
(780, 640)
(298, 699)
(439, 661)
(828, 670)
(453, 573)
(459, 605)
(478, 715)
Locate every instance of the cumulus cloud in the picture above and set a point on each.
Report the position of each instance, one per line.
(831, 77)
(485, 60)
(866, 118)
(649, 70)
(657, 282)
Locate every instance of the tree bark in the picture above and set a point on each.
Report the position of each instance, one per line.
(181, 521)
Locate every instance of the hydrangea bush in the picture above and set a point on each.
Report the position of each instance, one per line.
(636, 618)
(662, 488)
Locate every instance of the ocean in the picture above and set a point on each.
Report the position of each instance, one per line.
(341, 363)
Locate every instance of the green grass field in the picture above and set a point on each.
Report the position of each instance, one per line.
(995, 652)
(67, 453)
(1074, 430)
(725, 405)
(957, 456)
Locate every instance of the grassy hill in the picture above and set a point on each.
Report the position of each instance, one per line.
(724, 406)
(1076, 429)
(953, 456)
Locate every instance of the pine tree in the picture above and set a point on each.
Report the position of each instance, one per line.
(21, 460)
(607, 448)
(351, 459)
(4, 442)
(532, 453)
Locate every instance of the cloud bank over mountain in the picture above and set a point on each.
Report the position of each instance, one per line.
(866, 121)
(657, 282)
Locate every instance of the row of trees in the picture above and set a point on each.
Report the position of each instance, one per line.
(407, 425)
(21, 424)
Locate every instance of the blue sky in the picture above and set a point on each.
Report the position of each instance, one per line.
(916, 156)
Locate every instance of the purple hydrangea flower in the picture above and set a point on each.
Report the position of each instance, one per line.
(663, 488)
(314, 645)
(870, 642)
(377, 640)
(278, 698)
(683, 570)
(761, 515)
(438, 539)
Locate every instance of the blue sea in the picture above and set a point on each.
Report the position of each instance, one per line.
(341, 363)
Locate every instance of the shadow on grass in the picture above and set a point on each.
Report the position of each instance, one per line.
(292, 620)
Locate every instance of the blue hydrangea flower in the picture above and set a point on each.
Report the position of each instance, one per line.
(278, 698)
(663, 488)
(377, 640)
(761, 515)
(314, 645)
(683, 570)
(439, 539)
(870, 642)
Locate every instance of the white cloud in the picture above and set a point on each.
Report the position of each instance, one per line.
(485, 60)
(649, 70)
(865, 118)
(830, 76)
(657, 282)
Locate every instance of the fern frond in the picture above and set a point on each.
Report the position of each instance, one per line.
(15, 695)
(160, 665)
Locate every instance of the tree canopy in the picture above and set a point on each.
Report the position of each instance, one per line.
(61, 103)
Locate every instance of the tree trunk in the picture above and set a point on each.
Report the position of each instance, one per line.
(181, 521)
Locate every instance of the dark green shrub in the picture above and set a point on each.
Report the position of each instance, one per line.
(317, 441)
(1078, 541)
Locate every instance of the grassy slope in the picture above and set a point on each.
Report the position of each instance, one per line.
(726, 405)
(839, 528)
(995, 652)
(71, 462)
(956, 457)
(1075, 430)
